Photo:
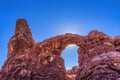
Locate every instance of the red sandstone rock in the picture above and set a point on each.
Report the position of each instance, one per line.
(71, 74)
(105, 66)
(98, 57)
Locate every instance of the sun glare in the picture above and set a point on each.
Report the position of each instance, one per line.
(70, 27)
(71, 45)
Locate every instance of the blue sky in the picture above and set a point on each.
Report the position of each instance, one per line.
(48, 18)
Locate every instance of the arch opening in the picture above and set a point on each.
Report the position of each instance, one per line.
(70, 56)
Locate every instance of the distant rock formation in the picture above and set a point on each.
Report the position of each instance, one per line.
(71, 74)
(98, 57)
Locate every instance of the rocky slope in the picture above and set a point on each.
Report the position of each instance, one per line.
(98, 57)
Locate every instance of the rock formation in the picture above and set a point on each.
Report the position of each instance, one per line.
(71, 74)
(98, 57)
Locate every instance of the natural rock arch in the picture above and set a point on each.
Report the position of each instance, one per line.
(98, 56)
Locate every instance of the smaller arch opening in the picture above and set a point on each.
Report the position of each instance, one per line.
(70, 56)
(49, 59)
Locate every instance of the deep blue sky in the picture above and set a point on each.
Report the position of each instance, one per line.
(48, 18)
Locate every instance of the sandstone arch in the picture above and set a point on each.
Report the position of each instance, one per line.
(98, 54)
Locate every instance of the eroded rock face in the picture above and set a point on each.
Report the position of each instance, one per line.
(98, 57)
(71, 74)
(105, 66)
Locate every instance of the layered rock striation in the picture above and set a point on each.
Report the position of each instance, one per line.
(98, 56)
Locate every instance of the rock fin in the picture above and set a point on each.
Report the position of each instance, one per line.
(22, 38)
